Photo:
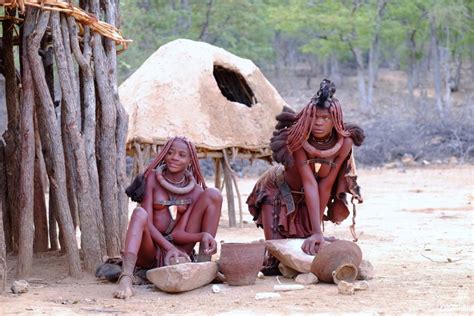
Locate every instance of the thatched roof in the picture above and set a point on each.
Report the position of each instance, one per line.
(179, 90)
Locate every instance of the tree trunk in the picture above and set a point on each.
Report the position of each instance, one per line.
(412, 66)
(89, 231)
(40, 211)
(436, 67)
(12, 134)
(31, 32)
(457, 72)
(107, 145)
(360, 79)
(89, 122)
(54, 157)
(374, 52)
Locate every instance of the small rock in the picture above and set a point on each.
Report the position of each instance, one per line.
(306, 279)
(366, 270)
(345, 288)
(20, 286)
(287, 272)
(361, 285)
(216, 288)
(287, 287)
(408, 160)
(266, 295)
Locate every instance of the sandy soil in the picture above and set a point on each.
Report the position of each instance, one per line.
(416, 227)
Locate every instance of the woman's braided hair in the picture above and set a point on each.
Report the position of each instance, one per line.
(195, 168)
(292, 129)
(301, 129)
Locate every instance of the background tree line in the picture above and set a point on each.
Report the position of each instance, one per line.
(430, 41)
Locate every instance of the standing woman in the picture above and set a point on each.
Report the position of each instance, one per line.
(176, 211)
(314, 148)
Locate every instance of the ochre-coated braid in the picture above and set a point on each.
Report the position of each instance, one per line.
(196, 169)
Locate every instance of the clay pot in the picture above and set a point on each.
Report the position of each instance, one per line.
(241, 262)
(341, 257)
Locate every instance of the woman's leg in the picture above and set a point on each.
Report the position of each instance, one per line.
(205, 215)
(270, 266)
(139, 250)
(269, 223)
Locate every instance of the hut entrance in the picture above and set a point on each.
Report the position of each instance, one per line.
(233, 86)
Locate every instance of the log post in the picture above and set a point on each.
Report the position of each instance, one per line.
(107, 143)
(3, 255)
(12, 134)
(3, 250)
(217, 173)
(89, 230)
(33, 32)
(54, 158)
(88, 107)
(40, 211)
(229, 194)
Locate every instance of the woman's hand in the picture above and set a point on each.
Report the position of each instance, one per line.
(208, 243)
(313, 243)
(174, 255)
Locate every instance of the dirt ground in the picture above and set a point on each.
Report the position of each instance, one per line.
(415, 226)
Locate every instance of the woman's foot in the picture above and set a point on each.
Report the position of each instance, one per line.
(125, 287)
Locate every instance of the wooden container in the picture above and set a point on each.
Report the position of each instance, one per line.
(341, 256)
(241, 262)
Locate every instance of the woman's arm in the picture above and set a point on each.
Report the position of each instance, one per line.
(147, 204)
(311, 192)
(326, 184)
(179, 232)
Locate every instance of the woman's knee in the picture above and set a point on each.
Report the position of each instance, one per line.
(214, 196)
(139, 215)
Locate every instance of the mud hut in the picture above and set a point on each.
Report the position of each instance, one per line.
(222, 102)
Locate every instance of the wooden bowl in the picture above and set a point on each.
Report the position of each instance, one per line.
(241, 262)
(182, 277)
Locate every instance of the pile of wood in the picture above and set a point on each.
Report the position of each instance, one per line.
(62, 157)
(81, 16)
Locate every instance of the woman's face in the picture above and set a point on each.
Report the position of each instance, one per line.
(178, 157)
(323, 124)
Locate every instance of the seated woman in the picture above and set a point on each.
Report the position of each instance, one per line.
(315, 148)
(176, 212)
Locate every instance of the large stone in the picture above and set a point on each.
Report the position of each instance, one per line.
(182, 277)
(290, 254)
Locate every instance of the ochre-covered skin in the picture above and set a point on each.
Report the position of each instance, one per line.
(154, 238)
(315, 146)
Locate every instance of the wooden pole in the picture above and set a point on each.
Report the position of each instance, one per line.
(34, 29)
(230, 194)
(3, 256)
(217, 173)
